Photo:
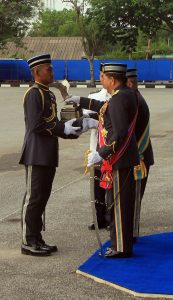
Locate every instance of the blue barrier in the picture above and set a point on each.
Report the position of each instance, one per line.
(14, 70)
(148, 70)
(59, 69)
(78, 70)
(153, 70)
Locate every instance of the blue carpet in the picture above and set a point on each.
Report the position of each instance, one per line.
(149, 271)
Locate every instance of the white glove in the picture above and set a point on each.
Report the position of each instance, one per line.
(89, 123)
(74, 99)
(69, 129)
(92, 123)
(86, 115)
(93, 158)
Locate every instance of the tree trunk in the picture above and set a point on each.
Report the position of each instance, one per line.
(148, 50)
(130, 55)
(91, 64)
(89, 54)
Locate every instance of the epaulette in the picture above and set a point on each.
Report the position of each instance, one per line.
(115, 92)
(26, 93)
(41, 92)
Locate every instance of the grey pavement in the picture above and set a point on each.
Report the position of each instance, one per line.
(68, 211)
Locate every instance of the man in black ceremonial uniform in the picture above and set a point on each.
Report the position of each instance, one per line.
(118, 152)
(40, 153)
(99, 192)
(142, 132)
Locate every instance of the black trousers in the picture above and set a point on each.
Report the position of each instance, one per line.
(144, 182)
(39, 181)
(120, 201)
(99, 199)
(138, 201)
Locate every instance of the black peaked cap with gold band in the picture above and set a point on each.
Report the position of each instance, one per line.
(39, 60)
(119, 69)
(131, 73)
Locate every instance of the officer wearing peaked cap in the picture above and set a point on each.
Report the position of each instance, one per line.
(40, 153)
(99, 192)
(142, 132)
(118, 154)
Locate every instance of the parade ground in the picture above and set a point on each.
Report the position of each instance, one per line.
(68, 212)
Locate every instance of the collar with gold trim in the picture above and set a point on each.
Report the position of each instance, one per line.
(115, 92)
(42, 86)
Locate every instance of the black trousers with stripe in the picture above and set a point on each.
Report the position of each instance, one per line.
(39, 181)
(100, 204)
(120, 204)
(137, 208)
(144, 182)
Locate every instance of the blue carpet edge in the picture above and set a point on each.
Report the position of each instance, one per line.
(122, 288)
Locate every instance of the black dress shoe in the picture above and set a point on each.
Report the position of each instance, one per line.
(44, 246)
(91, 226)
(34, 250)
(111, 253)
(100, 226)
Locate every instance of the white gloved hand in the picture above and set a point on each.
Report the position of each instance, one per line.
(74, 99)
(89, 123)
(69, 129)
(85, 115)
(92, 123)
(93, 158)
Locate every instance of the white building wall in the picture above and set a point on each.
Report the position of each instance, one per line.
(50, 4)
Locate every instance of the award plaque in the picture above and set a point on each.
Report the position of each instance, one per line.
(70, 110)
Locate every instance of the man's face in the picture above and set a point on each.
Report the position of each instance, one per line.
(101, 77)
(132, 83)
(44, 74)
(108, 83)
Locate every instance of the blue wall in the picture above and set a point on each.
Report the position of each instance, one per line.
(78, 70)
(14, 70)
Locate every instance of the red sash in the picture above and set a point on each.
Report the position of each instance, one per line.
(106, 167)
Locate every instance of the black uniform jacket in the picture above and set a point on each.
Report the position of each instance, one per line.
(42, 126)
(117, 118)
(141, 123)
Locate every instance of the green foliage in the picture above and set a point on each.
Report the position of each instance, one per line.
(115, 23)
(125, 18)
(109, 28)
(69, 29)
(56, 23)
(95, 43)
(69, 23)
(162, 44)
(153, 14)
(15, 18)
